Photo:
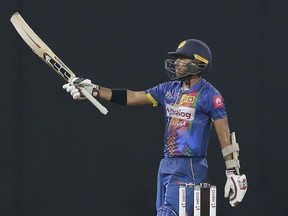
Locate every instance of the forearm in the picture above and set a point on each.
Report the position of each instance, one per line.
(229, 147)
(124, 97)
(223, 133)
(224, 140)
(105, 93)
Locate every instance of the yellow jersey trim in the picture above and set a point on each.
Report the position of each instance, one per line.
(155, 103)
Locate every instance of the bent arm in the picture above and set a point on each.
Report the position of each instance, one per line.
(134, 98)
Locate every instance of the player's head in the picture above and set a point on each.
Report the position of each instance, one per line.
(192, 57)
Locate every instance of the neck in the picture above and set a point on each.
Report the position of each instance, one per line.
(190, 82)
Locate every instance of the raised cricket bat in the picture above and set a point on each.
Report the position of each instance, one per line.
(48, 56)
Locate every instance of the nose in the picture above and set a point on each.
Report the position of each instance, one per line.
(177, 61)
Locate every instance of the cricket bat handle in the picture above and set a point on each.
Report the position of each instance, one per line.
(99, 106)
(235, 154)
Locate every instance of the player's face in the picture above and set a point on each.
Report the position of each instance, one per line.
(181, 66)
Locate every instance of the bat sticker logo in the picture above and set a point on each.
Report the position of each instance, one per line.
(56, 66)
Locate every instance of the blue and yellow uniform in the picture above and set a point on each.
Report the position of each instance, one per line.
(189, 115)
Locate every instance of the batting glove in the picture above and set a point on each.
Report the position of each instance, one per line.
(235, 187)
(74, 88)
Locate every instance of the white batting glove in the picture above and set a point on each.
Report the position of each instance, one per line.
(74, 88)
(235, 187)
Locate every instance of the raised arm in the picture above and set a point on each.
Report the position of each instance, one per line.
(118, 96)
(133, 98)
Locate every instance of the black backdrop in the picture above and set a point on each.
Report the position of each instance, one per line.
(62, 157)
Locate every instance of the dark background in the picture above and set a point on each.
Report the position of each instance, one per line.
(62, 157)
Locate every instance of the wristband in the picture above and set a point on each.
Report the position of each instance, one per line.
(119, 96)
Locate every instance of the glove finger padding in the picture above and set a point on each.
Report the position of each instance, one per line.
(70, 88)
(65, 86)
(235, 187)
(77, 94)
(229, 188)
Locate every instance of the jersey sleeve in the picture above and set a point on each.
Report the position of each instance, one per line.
(155, 94)
(216, 104)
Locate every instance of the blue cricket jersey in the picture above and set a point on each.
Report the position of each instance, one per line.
(189, 115)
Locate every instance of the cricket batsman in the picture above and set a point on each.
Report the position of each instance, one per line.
(191, 105)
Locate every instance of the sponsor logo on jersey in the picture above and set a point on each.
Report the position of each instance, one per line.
(218, 101)
(187, 99)
(178, 123)
(184, 113)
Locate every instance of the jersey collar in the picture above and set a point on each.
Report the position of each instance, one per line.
(197, 86)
